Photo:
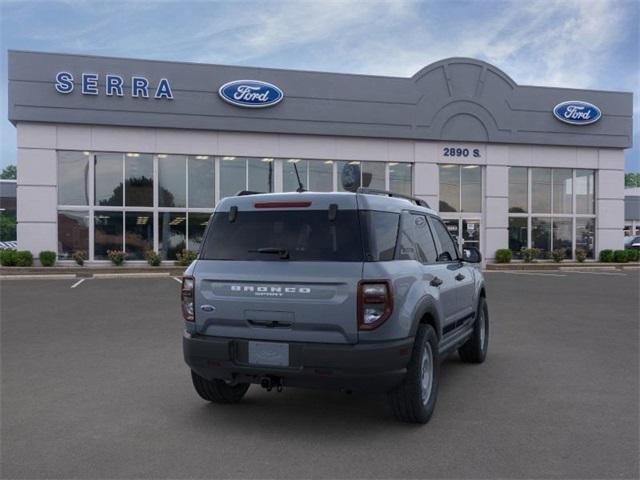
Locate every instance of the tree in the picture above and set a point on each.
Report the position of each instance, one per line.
(9, 173)
(632, 180)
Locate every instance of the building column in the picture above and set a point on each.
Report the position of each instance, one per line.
(426, 177)
(36, 190)
(496, 209)
(610, 200)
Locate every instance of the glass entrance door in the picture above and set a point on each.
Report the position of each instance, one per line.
(465, 231)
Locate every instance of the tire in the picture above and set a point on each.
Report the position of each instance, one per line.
(475, 349)
(412, 401)
(218, 391)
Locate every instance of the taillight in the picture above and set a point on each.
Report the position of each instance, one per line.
(186, 298)
(375, 303)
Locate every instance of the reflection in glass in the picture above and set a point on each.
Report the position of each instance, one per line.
(585, 235)
(201, 182)
(73, 178)
(541, 235)
(138, 172)
(73, 233)
(108, 179)
(562, 190)
(373, 175)
(320, 175)
(289, 179)
(541, 190)
(197, 224)
(171, 234)
(171, 181)
(517, 235)
(449, 188)
(518, 190)
(471, 188)
(108, 233)
(562, 235)
(260, 174)
(585, 192)
(453, 226)
(233, 176)
(400, 178)
(138, 234)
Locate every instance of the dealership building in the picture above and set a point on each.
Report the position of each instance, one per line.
(133, 155)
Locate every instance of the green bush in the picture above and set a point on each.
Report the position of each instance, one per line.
(606, 256)
(7, 258)
(581, 254)
(620, 256)
(47, 258)
(117, 256)
(79, 256)
(530, 254)
(186, 257)
(633, 255)
(153, 258)
(24, 258)
(558, 255)
(503, 255)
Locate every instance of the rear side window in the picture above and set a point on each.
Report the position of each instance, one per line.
(380, 230)
(448, 250)
(305, 235)
(416, 242)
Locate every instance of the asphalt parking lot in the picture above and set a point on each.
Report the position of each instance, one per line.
(94, 386)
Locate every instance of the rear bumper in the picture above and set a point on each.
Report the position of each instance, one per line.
(362, 367)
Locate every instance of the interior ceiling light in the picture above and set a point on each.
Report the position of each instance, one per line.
(202, 157)
(228, 158)
(267, 159)
(133, 154)
(329, 162)
(162, 155)
(470, 166)
(293, 160)
(354, 163)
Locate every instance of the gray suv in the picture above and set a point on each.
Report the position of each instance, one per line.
(360, 291)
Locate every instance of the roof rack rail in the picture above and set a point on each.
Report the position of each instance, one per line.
(374, 191)
(242, 193)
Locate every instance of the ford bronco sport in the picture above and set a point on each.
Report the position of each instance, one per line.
(360, 291)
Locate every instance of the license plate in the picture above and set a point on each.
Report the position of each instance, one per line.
(269, 353)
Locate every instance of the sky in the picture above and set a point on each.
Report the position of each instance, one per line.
(566, 43)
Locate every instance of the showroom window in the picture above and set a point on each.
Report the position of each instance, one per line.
(138, 202)
(551, 209)
(460, 188)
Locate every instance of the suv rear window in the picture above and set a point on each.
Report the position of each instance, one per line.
(305, 235)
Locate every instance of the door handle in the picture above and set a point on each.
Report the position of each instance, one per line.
(459, 277)
(436, 282)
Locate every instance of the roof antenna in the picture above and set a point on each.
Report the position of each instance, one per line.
(300, 188)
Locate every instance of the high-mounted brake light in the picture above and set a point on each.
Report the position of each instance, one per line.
(186, 299)
(282, 204)
(375, 303)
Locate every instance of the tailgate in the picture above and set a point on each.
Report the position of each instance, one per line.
(280, 301)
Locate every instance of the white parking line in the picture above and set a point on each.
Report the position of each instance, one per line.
(177, 279)
(78, 283)
(536, 273)
(599, 273)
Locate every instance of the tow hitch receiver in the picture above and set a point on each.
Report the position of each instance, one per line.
(270, 382)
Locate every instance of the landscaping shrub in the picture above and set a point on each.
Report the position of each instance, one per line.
(558, 255)
(503, 255)
(47, 258)
(633, 255)
(620, 256)
(581, 254)
(7, 258)
(24, 258)
(606, 256)
(153, 258)
(117, 256)
(530, 254)
(186, 257)
(79, 256)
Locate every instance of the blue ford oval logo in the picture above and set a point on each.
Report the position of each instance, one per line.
(207, 308)
(250, 93)
(577, 112)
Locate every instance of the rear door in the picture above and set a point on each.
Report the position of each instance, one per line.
(281, 272)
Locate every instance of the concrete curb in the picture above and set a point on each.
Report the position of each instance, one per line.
(496, 267)
(90, 272)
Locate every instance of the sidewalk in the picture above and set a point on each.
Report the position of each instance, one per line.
(540, 265)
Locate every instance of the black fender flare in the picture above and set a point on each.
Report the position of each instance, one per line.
(427, 305)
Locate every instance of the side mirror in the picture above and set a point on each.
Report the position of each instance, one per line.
(471, 255)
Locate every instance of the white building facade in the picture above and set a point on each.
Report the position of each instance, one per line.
(101, 168)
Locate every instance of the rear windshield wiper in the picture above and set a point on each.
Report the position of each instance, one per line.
(283, 252)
